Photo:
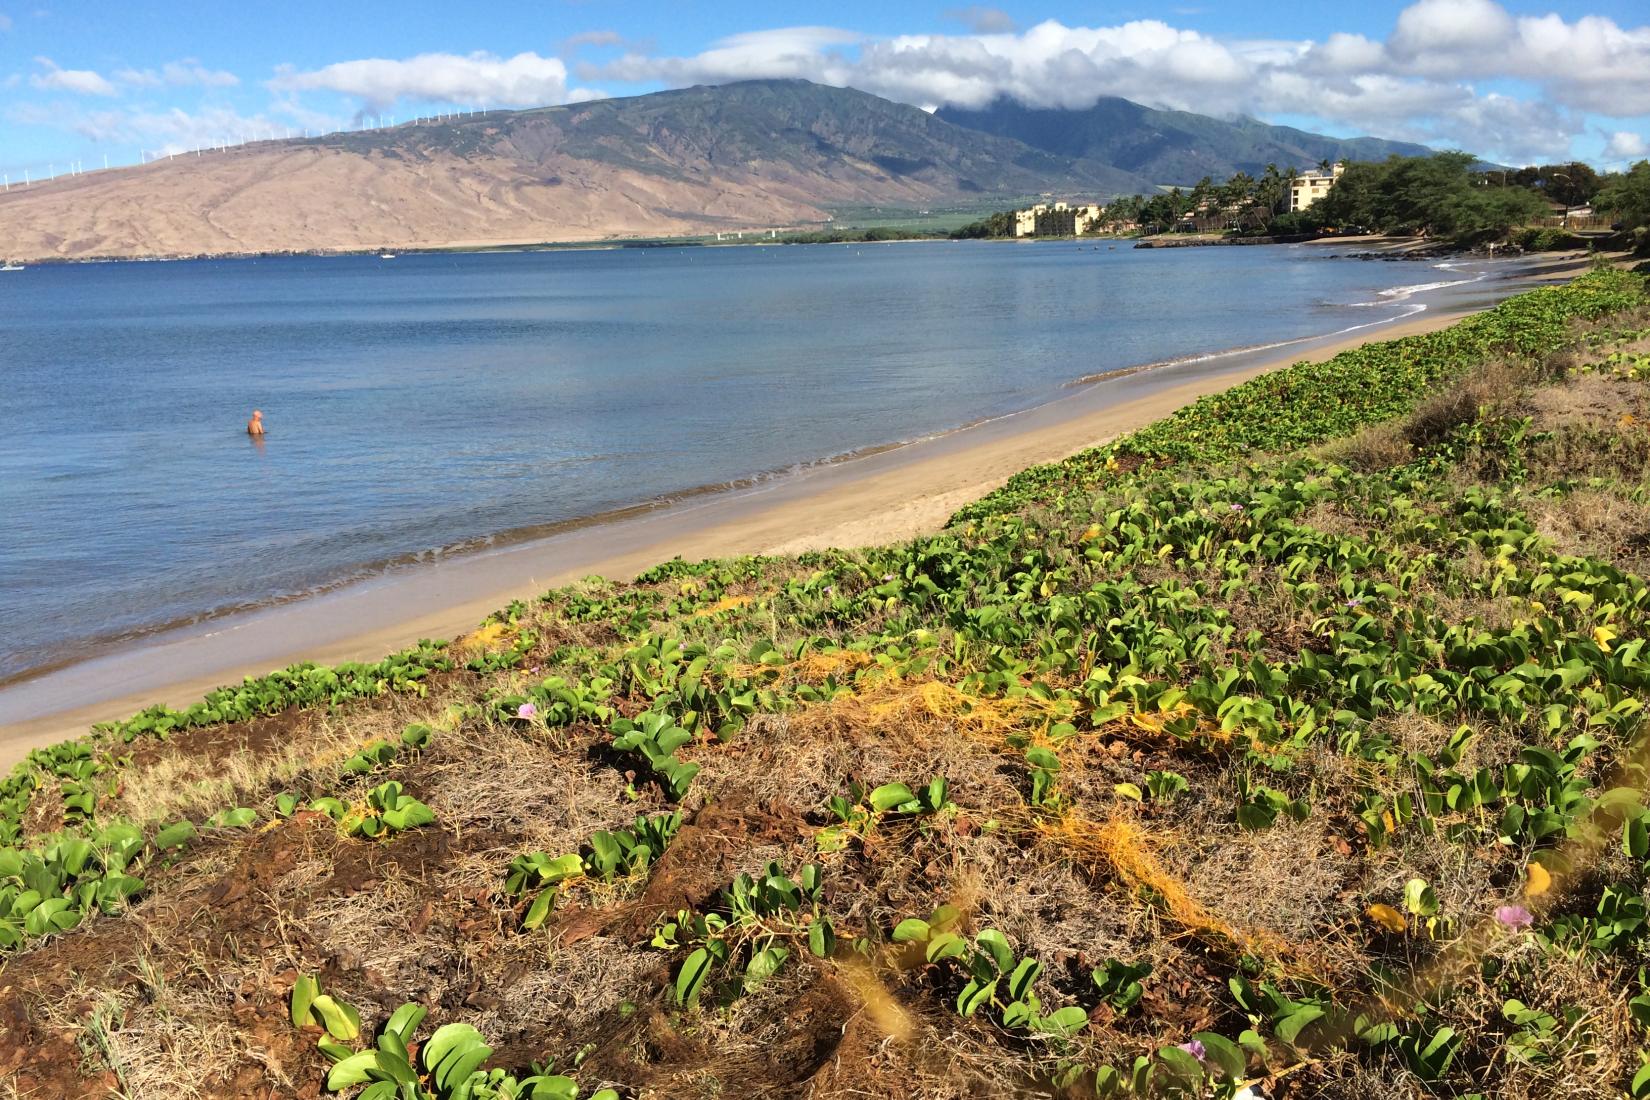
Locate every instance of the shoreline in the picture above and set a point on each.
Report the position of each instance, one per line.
(898, 493)
(907, 488)
(1395, 247)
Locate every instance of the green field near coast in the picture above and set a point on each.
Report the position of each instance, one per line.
(1291, 746)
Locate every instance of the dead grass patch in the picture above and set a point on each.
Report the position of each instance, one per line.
(1121, 846)
(1590, 400)
(1371, 450)
(568, 995)
(1496, 385)
(1283, 881)
(415, 962)
(164, 1033)
(541, 795)
(200, 782)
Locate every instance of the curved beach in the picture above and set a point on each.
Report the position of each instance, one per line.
(887, 496)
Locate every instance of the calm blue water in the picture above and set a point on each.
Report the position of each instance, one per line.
(433, 401)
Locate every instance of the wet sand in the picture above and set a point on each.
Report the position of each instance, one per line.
(890, 496)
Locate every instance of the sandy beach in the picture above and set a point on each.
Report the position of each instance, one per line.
(886, 497)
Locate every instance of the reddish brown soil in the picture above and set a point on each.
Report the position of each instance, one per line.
(225, 919)
(216, 911)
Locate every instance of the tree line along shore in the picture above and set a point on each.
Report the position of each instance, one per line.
(1447, 198)
(1290, 746)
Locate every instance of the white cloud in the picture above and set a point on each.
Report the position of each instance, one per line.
(5, 22)
(177, 74)
(79, 81)
(1624, 145)
(1436, 29)
(525, 80)
(1517, 130)
(981, 19)
(1343, 53)
(809, 52)
(1592, 63)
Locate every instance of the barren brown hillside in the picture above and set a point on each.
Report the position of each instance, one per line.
(767, 153)
(283, 196)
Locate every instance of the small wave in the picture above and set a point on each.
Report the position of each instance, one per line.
(1400, 293)
(1181, 361)
(1410, 310)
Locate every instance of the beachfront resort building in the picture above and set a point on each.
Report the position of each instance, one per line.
(1056, 220)
(1308, 187)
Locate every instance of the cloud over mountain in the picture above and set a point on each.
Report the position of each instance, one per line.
(525, 80)
(1450, 73)
(1416, 84)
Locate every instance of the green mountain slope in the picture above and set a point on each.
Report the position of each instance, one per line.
(827, 144)
(1168, 146)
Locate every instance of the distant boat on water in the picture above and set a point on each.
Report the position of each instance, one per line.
(386, 255)
(12, 267)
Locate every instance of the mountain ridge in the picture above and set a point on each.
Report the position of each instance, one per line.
(686, 161)
(1168, 147)
(741, 156)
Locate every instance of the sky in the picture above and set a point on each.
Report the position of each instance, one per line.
(88, 81)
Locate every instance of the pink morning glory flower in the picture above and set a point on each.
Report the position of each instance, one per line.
(527, 712)
(1195, 1049)
(1514, 917)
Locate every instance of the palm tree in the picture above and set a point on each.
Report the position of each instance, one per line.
(1271, 190)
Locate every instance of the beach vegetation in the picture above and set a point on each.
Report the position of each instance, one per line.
(448, 1065)
(1249, 753)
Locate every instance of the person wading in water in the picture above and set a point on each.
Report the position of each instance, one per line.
(255, 426)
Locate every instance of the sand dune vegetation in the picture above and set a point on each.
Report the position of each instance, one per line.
(1293, 746)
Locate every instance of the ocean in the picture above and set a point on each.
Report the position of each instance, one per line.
(432, 404)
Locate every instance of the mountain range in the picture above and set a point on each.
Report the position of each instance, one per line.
(1169, 147)
(754, 154)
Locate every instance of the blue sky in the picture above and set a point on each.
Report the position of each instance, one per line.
(81, 81)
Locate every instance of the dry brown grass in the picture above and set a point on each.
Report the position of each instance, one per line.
(1589, 400)
(1268, 606)
(353, 931)
(1332, 518)
(1594, 1043)
(160, 1037)
(804, 758)
(543, 792)
(1371, 450)
(196, 784)
(1122, 847)
(1283, 880)
(1592, 522)
(576, 990)
(1051, 912)
(1498, 386)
